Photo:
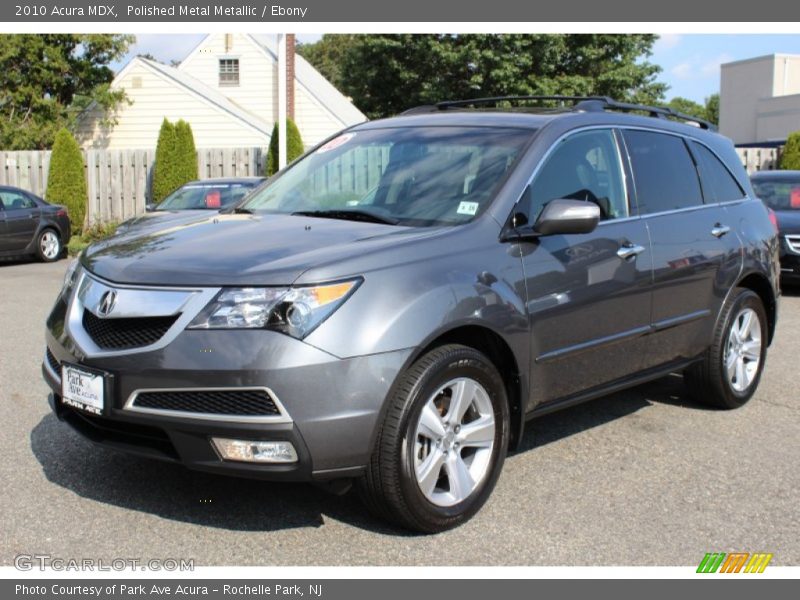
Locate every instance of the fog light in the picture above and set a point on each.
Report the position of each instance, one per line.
(255, 451)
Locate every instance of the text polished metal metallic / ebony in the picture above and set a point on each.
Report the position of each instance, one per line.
(392, 308)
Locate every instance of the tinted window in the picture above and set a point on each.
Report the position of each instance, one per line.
(664, 172)
(779, 194)
(15, 200)
(718, 183)
(415, 176)
(584, 166)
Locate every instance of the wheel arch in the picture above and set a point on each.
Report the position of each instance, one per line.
(760, 284)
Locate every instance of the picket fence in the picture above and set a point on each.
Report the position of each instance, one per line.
(759, 159)
(118, 181)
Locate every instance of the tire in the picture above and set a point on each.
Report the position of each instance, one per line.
(48, 245)
(420, 434)
(710, 381)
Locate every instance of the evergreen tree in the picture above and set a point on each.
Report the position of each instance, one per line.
(66, 180)
(186, 151)
(294, 146)
(790, 159)
(166, 177)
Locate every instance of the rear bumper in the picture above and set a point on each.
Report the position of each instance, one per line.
(332, 406)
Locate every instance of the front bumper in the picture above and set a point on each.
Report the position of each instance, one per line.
(790, 264)
(332, 406)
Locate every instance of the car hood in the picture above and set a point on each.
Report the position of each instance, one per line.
(233, 249)
(159, 218)
(788, 221)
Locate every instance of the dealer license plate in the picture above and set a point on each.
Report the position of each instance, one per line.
(82, 389)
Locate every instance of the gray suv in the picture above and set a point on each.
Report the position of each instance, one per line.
(392, 308)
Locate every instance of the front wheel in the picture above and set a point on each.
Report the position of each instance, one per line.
(728, 375)
(442, 444)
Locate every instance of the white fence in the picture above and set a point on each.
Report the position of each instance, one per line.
(759, 159)
(118, 181)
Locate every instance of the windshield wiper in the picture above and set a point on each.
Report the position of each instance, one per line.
(347, 215)
(241, 210)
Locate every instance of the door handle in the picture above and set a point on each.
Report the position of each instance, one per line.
(719, 230)
(627, 251)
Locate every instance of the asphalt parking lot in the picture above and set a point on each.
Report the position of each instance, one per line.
(643, 477)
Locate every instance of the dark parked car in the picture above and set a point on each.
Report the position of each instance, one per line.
(31, 226)
(393, 307)
(213, 194)
(780, 190)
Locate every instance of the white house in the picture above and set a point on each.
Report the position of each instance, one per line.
(227, 89)
(759, 100)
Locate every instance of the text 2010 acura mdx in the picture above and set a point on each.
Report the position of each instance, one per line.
(396, 305)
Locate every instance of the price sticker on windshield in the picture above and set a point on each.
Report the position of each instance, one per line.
(336, 142)
(468, 208)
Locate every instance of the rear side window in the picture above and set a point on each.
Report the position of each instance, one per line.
(718, 183)
(663, 171)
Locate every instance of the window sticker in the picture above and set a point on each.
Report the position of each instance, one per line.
(467, 208)
(336, 142)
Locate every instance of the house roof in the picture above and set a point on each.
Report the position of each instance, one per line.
(211, 95)
(311, 79)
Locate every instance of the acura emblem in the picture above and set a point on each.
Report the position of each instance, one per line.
(107, 302)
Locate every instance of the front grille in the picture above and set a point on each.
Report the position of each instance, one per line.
(793, 241)
(246, 403)
(53, 362)
(123, 334)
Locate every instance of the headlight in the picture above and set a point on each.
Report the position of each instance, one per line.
(295, 311)
(70, 277)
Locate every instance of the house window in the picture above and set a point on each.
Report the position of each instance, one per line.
(229, 71)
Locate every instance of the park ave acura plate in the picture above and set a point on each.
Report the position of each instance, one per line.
(83, 388)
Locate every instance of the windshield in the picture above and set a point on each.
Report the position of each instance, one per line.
(405, 176)
(205, 196)
(779, 194)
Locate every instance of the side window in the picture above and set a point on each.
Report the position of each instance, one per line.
(584, 166)
(16, 201)
(663, 171)
(718, 183)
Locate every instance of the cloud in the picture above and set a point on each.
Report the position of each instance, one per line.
(700, 67)
(668, 41)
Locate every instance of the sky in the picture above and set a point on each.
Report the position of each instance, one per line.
(690, 62)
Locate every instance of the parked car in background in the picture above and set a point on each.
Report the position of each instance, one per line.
(208, 194)
(31, 226)
(780, 191)
(395, 305)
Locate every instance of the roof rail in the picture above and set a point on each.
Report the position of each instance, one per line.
(578, 103)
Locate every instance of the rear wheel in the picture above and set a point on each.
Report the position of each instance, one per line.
(442, 443)
(48, 246)
(731, 368)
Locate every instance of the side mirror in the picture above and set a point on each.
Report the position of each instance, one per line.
(567, 216)
(150, 206)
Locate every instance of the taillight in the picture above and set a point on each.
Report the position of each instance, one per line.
(62, 212)
(773, 218)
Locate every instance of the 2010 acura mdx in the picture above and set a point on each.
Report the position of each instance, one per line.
(393, 307)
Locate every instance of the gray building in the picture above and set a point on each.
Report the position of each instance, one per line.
(760, 99)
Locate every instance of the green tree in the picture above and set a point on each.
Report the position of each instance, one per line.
(327, 55)
(294, 146)
(46, 80)
(166, 176)
(688, 107)
(790, 158)
(712, 108)
(66, 179)
(385, 74)
(186, 152)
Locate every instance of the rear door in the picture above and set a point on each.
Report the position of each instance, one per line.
(695, 247)
(588, 294)
(22, 219)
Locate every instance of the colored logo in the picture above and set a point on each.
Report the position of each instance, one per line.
(735, 562)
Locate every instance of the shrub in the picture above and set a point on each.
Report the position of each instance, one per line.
(294, 146)
(66, 181)
(790, 159)
(166, 171)
(186, 151)
(94, 233)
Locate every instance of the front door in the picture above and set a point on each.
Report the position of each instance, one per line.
(589, 295)
(22, 219)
